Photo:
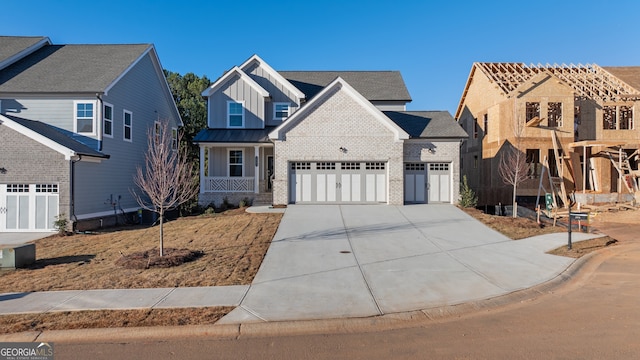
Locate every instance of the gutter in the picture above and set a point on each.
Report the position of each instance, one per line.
(99, 124)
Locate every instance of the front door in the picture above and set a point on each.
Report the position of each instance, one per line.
(269, 172)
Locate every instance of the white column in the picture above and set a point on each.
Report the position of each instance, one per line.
(202, 159)
(256, 175)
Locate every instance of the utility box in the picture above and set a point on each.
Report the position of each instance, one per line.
(17, 256)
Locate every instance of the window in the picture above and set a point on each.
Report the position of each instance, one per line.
(533, 160)
(415, 166)
(235, 114)
(84, 118)
(236, 165)
(439, 167)
(47, 188)
(486, 124)
(475, 128)
(157, 132)
(554, 114)
(174, 139)
(280, 111)
(374, 166)
(626, 118)
(128, 124)
(350, 166)
(326, 166)
(300, 166)
(107, 127)
(533, 111)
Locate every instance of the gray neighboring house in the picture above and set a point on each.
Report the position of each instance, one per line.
(74, 121)
(312, 137)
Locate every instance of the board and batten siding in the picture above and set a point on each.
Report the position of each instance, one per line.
(277, 90)
(140, 91)
(236, 89)
(219, 161)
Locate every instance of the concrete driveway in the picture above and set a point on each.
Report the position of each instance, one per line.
(338, 261)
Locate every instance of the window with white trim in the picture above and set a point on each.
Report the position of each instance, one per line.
(174, 139)
(84, 117)
(235, 114)
(127, 123)
(236, 164)
(280, 111)
(107, 116)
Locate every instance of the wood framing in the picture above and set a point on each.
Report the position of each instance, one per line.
(562, 109)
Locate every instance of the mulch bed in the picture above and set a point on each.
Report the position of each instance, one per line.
(151, 258)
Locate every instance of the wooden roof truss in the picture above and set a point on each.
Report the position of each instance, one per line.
(588, 81)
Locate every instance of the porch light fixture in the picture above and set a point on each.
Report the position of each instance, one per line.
(256, 161)
(3, 170)
(343, 149)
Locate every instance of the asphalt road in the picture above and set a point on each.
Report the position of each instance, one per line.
(594, 316)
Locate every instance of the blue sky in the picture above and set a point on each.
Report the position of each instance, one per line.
(433, 43)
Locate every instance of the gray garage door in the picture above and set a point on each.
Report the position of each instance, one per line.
(427, 183)
(338, 182)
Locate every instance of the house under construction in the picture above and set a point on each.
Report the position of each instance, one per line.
(574, 124)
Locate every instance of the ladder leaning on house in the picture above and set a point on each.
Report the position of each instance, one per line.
(557, 181)
(622, 165)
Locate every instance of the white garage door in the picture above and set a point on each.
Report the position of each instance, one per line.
(427, 183)
(28, 207)
(439, 183)
(338, 182)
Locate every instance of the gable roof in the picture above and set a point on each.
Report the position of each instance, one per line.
(589, 80)
(256, 59)
(341, 84)
(51, 136)
(427, 124)
(12, 48)
(373, 85)
(71, 68)
(226, 76)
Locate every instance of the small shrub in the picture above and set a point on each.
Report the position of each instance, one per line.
(245, 202)
(210, 210)
(468, 198)
(61, 224)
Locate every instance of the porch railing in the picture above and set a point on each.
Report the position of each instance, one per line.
(228, 184)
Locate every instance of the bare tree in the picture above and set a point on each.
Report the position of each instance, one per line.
(513, 167)
(167, 179)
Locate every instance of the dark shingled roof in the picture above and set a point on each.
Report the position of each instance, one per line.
(234, 135)
(69, 68)
(628, 74)
(12, 45)
(60, 136)
(427, 124)
(373, 85)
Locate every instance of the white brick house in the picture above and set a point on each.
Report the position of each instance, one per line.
(324, 137)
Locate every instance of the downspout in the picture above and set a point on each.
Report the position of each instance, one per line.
(73, 216)
(99, 123)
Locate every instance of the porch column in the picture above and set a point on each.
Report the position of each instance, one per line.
(256, 175)
(202, 159)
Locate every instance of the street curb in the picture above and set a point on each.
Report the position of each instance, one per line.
(577, 271)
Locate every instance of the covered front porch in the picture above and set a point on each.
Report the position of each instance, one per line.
(235, 172)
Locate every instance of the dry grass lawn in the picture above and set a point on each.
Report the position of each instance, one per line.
(514, 228)
(233, 245)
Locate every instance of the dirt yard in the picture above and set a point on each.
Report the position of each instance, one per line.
(233, 245)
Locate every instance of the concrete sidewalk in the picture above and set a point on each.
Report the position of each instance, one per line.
(344, 261)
